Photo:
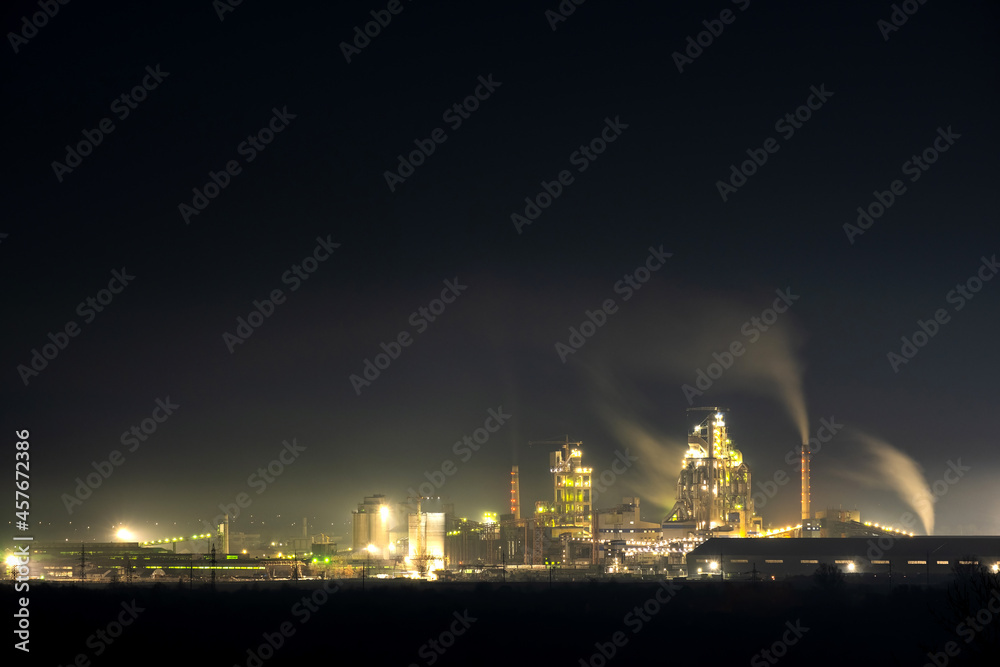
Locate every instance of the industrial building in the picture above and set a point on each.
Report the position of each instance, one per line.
(921, 559)
(623, 522)
(427, 539)
(711, 529)
(713, 490)
(569, 512)
(128, 561)
(370, 524)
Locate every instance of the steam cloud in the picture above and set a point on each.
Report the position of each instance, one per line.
(660, 457)
(776, 362)
(769, 365)
(895, 469)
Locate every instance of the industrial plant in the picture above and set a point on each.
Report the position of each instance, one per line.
(712, 531)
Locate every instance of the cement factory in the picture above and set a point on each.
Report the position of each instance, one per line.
(712, 531)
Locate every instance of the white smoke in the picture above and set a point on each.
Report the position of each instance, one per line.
(894, 468)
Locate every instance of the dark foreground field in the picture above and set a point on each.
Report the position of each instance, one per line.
(394, 623)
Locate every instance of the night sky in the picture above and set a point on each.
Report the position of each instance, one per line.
(309, 133)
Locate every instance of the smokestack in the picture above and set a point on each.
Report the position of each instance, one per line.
(305, 528)
(806, 513)
(225, 536)
(515, 493)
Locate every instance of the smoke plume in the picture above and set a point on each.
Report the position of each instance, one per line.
(895, 469)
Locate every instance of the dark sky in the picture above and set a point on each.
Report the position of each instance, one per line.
(553, 92)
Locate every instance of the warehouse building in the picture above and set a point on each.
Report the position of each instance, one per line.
(922, 559)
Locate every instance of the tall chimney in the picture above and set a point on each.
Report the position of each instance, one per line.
(806, 514)
(515, 493)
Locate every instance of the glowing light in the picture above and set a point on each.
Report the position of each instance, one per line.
(850, 567)
(713, 565)
(12, 561)
(125, 535)
(384, 511)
